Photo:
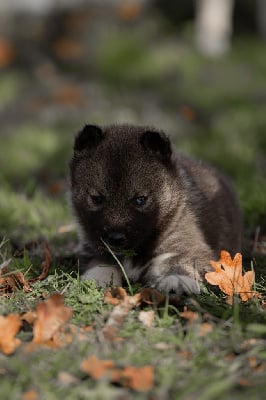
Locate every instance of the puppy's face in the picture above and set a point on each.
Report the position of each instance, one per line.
(120, 183)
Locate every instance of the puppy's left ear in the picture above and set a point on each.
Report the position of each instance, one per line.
(157, 144)
(89, 137)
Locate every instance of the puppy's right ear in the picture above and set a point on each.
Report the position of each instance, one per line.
(88, 137)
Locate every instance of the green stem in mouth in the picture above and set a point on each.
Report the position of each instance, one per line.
(121, 267)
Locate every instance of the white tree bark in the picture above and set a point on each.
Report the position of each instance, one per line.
(261, 17)
(214, 26)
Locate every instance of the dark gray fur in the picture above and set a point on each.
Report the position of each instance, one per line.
(190, 214)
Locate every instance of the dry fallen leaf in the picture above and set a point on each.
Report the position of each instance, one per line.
(140, 379)
(204, 329)
(67, 48)
(29, 317)
(151, 296)
(9, 327)
(56, 187)
(7, 52)
(69, 95)
(67, 379)
(7, 282)
(228, 276)
(185, 354)
(115, 295)
(117, 316)
(30, 395)
(201, 329)
(12, 281)
(129, 10)
(189, 315)
(46, 264)
(123, 304)
(52, 314)
(137, 378)
(96, 368)
(147, 317)
(187, 113)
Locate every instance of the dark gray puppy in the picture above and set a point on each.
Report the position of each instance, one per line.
(131, 190)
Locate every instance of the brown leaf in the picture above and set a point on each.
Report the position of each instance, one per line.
(187, 113)
(228, 276)
(56, 187)
(245, 382)
(29, 317)
(7, 282)
(147, 317)
(137, 378)
(12, 281)
(52, 314)
(191, 316)
(67, 379)
(69, 95)
(62, 338)
(129, 10)
(7, 52)
(67, 48)
(256, 365)
(9, 327)
(115, 295)
(123, 304)
(185, 354)
(96, 368)
(30, 395)
(151, 296)
(204, 329)
(22, 281)
(80, 333)
(118, 315)
(140, 379)
(46, 264)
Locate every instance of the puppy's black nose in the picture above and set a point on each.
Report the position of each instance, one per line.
(116, 239)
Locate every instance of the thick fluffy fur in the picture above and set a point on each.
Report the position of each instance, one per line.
(130, 189)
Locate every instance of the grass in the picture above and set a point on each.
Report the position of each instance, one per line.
(226, 97)
(225, 363)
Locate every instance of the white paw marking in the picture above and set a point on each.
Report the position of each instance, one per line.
(104, 275)
(179, 284)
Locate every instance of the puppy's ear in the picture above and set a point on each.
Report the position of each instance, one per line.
(90, 136)
(158, 144)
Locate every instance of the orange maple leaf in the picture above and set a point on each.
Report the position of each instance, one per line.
(9, 327)
(52, 314)
(228, 276)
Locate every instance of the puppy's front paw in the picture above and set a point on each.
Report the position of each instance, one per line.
(178, 284)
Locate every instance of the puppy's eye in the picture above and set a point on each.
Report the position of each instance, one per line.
(98, 200)
(139, 201)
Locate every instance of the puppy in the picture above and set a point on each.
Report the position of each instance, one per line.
(163, 214)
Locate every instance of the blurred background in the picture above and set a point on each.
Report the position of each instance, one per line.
(196, 69)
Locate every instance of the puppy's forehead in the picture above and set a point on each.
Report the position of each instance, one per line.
(125, 131)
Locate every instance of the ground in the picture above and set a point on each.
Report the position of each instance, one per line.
(120, 68)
